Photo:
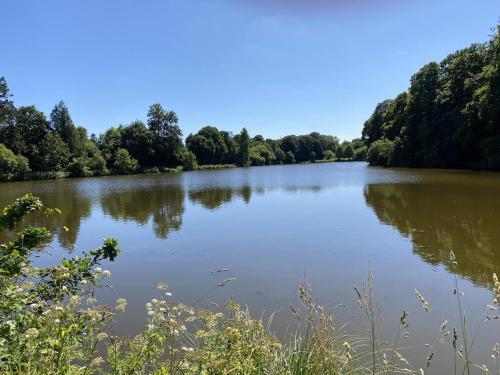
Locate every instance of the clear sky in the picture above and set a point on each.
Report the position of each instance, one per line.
(276, 67)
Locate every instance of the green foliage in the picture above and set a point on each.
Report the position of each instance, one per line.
(328, 155)
(360, 153)
(262, 154)
(208, 145)
(449, 118)
(289, 158)
(63, 125)
(187, 160)
(244, 148)
(58, 148)
(79, 167)
(110, 142)
(167, 136)
(124, 163)
(12, 165)
(54, 154)
(380, 152)
(137, 139)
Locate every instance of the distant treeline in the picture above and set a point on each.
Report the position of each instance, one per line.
(32, 146)
(449, 117)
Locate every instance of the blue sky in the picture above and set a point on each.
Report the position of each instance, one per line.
(276, 67)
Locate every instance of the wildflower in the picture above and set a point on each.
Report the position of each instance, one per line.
(106, 273)
(347, 350)
(74, 300)
(91, 300)
(154, 301)
(187, 349)
(121, 303)
(168, 294)
(98, 270)
(101, 336)
(162, 286)
(34, 306)
(31, 333)
(401, 358)
(84, 282)
(96, 362)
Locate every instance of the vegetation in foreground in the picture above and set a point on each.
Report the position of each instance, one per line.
(34, 147)
(448, 118)
(51, 323)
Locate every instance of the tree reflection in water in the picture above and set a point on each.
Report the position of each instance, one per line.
(443, 217)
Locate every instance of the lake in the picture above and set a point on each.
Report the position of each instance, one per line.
(274, 227)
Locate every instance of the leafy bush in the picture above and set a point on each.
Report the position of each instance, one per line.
(262, 154)
(380, 152)
(360, 153)
(124, 163)
(79, 167)
(12, 165)
(187, 159)
(328, 155)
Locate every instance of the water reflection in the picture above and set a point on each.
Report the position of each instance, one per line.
(462, 217)
(74, 208)
(214, 197)
(164, 204)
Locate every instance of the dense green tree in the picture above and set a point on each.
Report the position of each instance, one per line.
(328, 155)
(7, 109)
(27, 133)
(262, 154)
(61, 122)
(380, 152)
(167, 136)
(12, 165)
(360, 153)
(187, 159)
(124, 163)
(231, 146)
(208, 145)
(450, 116)
(289, 158)
(54, 155)
(110, 142)
(372, 128)
(244, 148)
(137, 139)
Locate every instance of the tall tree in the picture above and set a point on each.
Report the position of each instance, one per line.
(244, 148)
(62, 124)
(167, 135)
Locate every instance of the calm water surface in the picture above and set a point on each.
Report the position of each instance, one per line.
(274, 227)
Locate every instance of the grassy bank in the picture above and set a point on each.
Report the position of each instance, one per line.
(52, 324)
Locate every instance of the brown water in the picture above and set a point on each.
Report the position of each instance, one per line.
(273, 227)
